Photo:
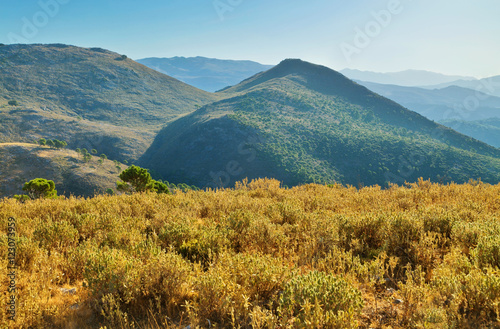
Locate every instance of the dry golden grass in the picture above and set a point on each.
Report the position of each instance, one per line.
(260, 256)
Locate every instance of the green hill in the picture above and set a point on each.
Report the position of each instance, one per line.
(88, 97)
(20, 162)
(299, 123)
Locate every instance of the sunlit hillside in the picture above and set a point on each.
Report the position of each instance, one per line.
(259, 256)
(22, 162)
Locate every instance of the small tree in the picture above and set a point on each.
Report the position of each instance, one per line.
(40, 188)
(42, 141)
(50, 143)
(136, 178)
(87, 157)
(124, 187)
(103, 156)
(93, 151)
(60, 144)
(21, 198)
(161, 187)
(78, 150)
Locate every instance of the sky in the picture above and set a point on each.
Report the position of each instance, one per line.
(456, 37)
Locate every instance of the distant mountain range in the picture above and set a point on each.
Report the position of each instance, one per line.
(205, 73)
(441, 104)
(300, 123)
(490, 86)
(408, 78)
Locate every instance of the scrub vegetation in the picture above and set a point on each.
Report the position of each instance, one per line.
(423, 255)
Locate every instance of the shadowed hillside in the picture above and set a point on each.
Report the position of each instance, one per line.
(487, 131)
(301, 123)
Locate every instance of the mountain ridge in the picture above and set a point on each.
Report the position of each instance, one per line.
(287, 123)
(210, 74)
(490, 86)
(441, 104)
(89, 97)
(406, 78)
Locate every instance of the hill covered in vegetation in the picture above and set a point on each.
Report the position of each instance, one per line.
(487, 130)
(301, 123)
(90, 97)
(259, 256)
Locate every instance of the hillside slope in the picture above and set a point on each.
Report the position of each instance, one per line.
(487, 131)
(95, 95)
(300, 123)
(20, 162)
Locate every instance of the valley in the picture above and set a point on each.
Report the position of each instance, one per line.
(297, 122)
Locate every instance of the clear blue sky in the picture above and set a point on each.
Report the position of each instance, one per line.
(448, 36)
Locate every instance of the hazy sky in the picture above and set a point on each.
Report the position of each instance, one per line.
(452, 37)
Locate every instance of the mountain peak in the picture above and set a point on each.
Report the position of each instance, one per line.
(295, 65)
(314, 77)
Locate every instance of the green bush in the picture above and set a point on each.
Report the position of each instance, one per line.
(40, 188)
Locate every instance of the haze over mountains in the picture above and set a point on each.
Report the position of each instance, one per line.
(209, 74)
(447, 103)
(408, 78)
(296, 122)
(490, 86)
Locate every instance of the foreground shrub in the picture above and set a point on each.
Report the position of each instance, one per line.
(124, 287)
(238, 286)
(318, 300)
(258, 256)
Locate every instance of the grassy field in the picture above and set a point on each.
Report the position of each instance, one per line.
(258, 256)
